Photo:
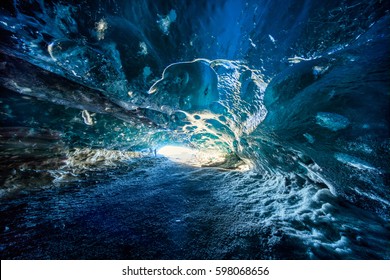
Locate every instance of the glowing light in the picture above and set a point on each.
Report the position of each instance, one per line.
(192, 157)
(101, 27)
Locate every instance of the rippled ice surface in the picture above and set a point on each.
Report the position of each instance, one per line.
(140, 212)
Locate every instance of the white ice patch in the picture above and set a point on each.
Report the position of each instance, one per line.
(85, 158)
(332, 121)
(165, 21)
(101, 27)
(319, 70)
(87, 117)
(354, 161)
(253, 44)
(271, 38)
(360, 147)
(20, 89)
(297, 59)
(143, 49)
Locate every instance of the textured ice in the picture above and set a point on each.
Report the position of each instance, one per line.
(354, 161)
(87, 117)
(191, 85)
(165, 21)
(309, 138)
(332, 121)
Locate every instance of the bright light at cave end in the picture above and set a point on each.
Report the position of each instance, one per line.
(190, 156)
